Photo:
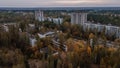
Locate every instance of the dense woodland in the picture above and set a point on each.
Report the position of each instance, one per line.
(104, 19)
(16, 51)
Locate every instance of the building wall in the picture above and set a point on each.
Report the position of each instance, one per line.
(81, 18)
(39, 15)
(78, 18)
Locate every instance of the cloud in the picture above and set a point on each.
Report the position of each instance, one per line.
(58, 3)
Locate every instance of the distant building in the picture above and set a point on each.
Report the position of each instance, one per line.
(55, 20)
(118, 33)
(81, 18)
(39, 15)
(78, 18)
(58, 20)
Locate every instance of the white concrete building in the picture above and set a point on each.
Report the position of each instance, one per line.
(55, 20)
(33, 41)
(78, 18)
(81, 18)
(39, 15)
(58, 20)
(46, 34)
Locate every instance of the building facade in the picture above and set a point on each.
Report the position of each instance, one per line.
(39, 15)
(81, 18)
(78, 18)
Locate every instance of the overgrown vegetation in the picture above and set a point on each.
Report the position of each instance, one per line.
(17, 52)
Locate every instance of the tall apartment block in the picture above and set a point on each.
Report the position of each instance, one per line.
(78, 18)
(39, 15)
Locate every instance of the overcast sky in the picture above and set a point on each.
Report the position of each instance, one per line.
(59, 3)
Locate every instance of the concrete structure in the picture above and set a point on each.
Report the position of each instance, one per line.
(81, 18)
(78, 18)
(55, 20)
(33, 41)
(39, 15)
(46, 34)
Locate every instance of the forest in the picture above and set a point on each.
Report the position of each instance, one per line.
(17, 52)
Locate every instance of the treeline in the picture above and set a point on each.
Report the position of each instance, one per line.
(104, 19)
(108, 11)
(14, 17)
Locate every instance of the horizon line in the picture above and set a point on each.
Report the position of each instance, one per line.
(65, 7)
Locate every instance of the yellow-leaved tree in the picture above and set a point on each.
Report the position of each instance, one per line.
(89, 50)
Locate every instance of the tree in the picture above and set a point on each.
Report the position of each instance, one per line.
(22, 25)
(92, 38)
(89, 50)
(102, 63)
(24, 43)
